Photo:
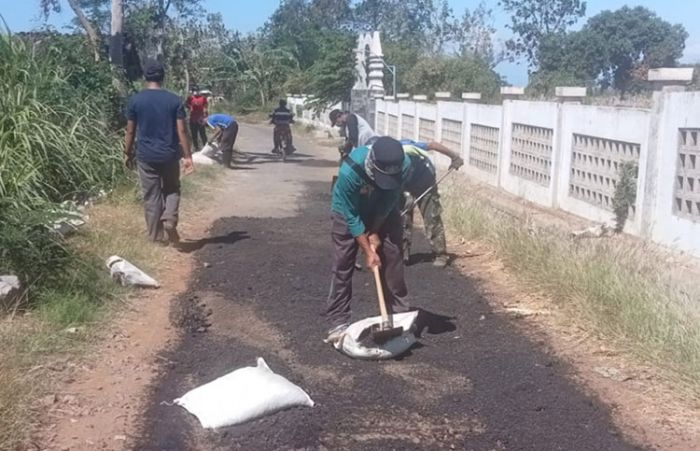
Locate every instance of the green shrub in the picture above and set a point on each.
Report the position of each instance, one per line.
(57, 142)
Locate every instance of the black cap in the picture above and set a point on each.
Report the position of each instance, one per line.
(335, 114)
(387, 160)
(153, 71)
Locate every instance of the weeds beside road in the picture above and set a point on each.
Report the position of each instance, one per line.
(624, 289)
(68, 317)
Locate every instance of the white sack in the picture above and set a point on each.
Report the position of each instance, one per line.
(127, 274)
(200, 158)
(209, 150)
(350, 346)
(243, 395)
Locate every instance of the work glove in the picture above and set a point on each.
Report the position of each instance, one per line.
(456, 164)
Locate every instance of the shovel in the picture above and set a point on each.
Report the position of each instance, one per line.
(415, 202)
(381, 333)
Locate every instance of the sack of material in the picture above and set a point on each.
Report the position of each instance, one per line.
(200, 158)
(129, 275)
(243, 395)
(209, 150)
(351, 346)
(206, 156)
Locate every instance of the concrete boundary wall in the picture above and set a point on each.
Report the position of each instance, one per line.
(308, 116)
(568, 156)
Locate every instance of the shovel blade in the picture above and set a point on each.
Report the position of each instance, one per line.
(381, 335)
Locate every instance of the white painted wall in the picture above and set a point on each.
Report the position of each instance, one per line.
(616, 124)
(309, 117)
(485, 115)
(678, 110)
(656, 132)
(537, 114)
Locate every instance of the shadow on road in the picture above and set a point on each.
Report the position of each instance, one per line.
(190, 246)
(428, 257)
(434, 323)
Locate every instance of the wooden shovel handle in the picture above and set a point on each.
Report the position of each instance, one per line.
(380, 295)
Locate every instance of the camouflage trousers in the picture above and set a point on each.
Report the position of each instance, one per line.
(431, 211)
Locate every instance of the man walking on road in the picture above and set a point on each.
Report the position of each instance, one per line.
(156, 120)
(358, 132)
(197, 103)
(365, 215)
(423, 177)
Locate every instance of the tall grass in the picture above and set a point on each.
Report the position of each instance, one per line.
(56, 143)
(620, 288)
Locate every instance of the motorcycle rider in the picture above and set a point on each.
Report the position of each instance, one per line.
(282, 118)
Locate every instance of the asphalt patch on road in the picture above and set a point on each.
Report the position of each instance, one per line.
(474, 382)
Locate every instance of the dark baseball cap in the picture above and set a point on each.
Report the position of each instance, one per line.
(387, 159)
(334, 115)
(153, 70)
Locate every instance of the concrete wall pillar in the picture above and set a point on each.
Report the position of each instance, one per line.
(512, 92)
(671, 79)
(471, 97)
(571, 94)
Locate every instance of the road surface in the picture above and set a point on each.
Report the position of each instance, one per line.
(473, 383)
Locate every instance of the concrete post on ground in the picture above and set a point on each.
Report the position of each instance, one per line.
(512, 92)
(471, 97)
(403, 96)
(420, 98)
(671, 79)
(571, 94)
(443, 95)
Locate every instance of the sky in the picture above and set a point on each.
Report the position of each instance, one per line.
(246, 16)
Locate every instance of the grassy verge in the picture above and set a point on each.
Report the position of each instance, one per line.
(66, 315)
(618, 287)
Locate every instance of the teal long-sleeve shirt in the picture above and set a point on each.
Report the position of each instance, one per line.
(360, 203)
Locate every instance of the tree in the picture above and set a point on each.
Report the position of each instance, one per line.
(116, 38)
(533, 20)
(615, 49)
(91, 30)
(634, 40)
(331, 78)
(398, 20)
(476, 35)
(453, 74)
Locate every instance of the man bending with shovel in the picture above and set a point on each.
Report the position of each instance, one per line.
(365, 215)
(421, 190)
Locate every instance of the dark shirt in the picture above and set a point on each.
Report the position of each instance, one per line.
(353, 133)
(282, 116)
(156, 112)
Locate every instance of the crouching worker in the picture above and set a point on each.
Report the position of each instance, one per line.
(226, 131)
(365, 216)
(422, 179)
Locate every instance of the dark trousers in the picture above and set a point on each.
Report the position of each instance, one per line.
(345, 249)
(198, 131)
(160, 184)
(228, 140)
(280, 132)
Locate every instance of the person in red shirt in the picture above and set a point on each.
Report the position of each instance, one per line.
(197, 103)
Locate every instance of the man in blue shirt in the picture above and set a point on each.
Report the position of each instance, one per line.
(422, 179)
(156, 121)
(226, 132)
(365, 216)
